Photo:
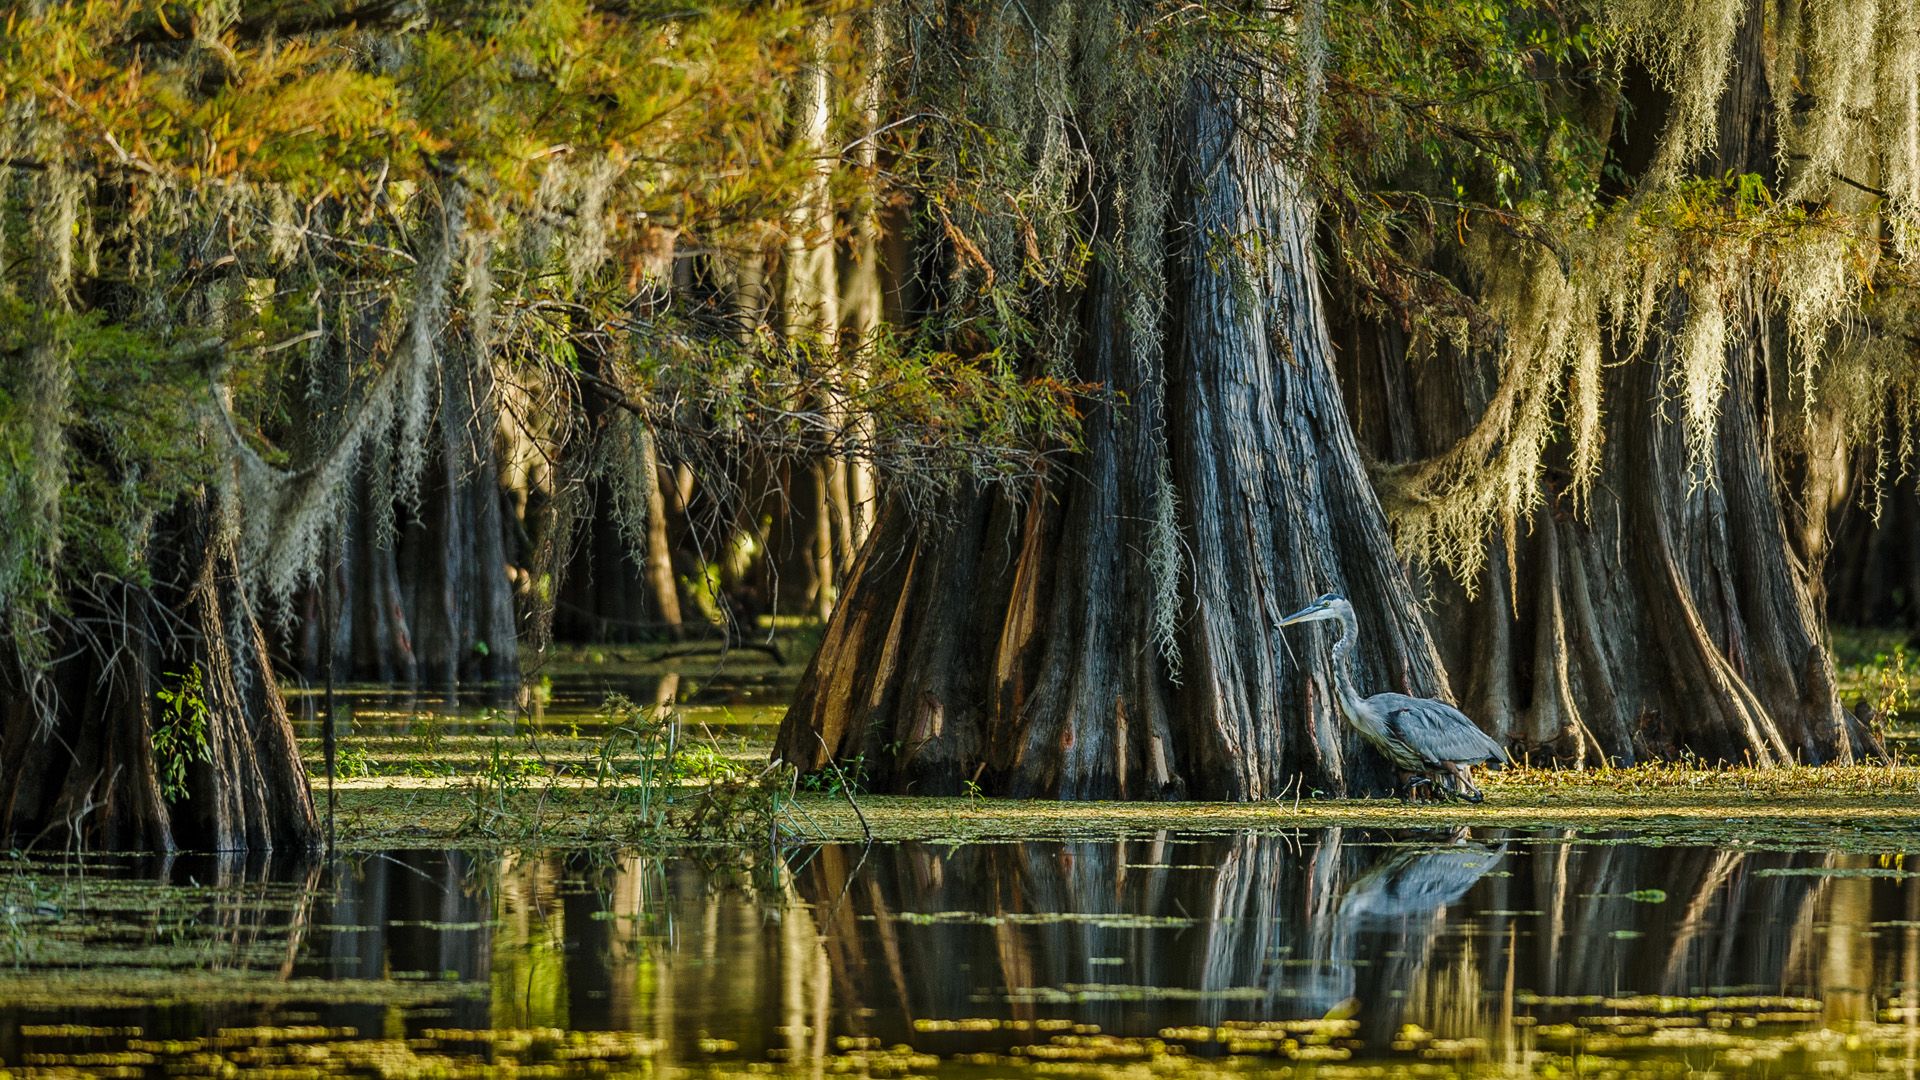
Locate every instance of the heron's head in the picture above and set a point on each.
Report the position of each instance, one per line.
(1329, 606)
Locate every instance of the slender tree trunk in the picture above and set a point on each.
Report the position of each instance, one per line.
(862, 284)
(432, 598)
(1015, 643)
(659, 558)
(810, 301)
(825, 578)
(621, 586)
(618, 586)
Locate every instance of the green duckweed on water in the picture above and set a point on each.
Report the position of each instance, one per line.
(582, 777)
(1712, 1041)
(586, 897)
(1851, 809)
(1344, 951)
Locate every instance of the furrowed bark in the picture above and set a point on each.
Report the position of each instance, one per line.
(1012, 645)
(1672, 614)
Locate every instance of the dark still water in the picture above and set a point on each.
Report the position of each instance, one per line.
(1335, 952)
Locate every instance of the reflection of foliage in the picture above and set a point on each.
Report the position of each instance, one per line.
(103, 933)
(180, 732)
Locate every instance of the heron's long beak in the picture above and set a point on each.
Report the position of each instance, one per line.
(1305, 614)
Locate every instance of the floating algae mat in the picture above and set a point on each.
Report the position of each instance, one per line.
(1325, 952)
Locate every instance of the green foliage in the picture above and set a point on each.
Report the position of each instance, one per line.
(651, 773)
(180, 730)
(282, 98)
(746, 809)
(849, 776)
(353, 760)
(644, 775)
(130, 405)
(1888, 689)
(1446, 117)
(637, 761)
(492, 794)
(250, 249)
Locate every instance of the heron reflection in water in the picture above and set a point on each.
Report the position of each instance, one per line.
(1418, 880)
(1424, 738)
(1394, 904)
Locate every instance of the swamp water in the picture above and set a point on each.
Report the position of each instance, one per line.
(734, 698)
(1332, 952)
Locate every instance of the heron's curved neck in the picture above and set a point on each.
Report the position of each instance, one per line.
(1343, 684)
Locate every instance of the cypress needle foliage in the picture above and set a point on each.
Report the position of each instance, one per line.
(264, 249)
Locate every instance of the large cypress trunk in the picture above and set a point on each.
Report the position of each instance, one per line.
(79, 762)
(1664, 616)
(1711, 642)
(1015, 645)
(1667, 614)
(1724, 604)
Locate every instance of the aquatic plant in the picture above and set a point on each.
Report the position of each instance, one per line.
(180, 732)
(637, 761)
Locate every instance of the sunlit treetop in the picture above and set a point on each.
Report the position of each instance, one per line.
(332, 101)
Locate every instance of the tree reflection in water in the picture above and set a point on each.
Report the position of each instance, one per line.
(1440, 929)
(952, 948)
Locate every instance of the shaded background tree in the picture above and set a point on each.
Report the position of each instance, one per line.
(306, 310)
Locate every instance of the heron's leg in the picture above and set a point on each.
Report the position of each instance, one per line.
(1412, 783)
(1463, 778)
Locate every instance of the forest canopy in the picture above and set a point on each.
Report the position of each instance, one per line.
(1046, 352)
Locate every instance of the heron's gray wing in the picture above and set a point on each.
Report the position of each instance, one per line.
(1437, 731)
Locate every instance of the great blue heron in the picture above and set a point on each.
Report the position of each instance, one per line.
(1423, 738)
